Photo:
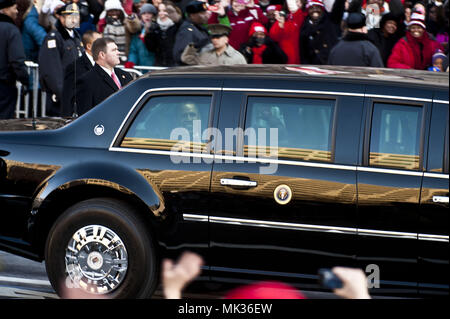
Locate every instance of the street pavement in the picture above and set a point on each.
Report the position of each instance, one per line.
(21, 278)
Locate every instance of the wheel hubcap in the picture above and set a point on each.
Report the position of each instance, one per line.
(96, 260)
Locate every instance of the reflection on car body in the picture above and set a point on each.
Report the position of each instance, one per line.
(186, 159)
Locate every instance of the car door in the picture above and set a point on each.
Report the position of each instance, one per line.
(162, 139)
(434, 209)
(389, 182)
(284, 206)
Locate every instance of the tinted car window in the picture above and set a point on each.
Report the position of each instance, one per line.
(164, 121)
(395, 136)
(304, 127)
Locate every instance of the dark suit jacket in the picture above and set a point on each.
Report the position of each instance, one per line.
(96, 85)
(78, 68)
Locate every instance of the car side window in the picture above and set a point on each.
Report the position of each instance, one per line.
(395, 136)
(304, 128)
(165, 122)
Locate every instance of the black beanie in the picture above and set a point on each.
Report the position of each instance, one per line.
(6, 3)
(356, 20)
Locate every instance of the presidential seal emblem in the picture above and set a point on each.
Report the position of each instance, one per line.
(282, 194)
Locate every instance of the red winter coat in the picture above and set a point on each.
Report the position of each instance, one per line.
(407, 54)
(240, 24)
(288, 37)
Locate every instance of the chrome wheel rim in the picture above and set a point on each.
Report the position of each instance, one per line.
(96, 260)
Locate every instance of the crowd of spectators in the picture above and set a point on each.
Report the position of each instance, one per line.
(404, 34)
(407, 33)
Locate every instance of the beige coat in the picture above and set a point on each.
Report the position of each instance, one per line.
(208, 56)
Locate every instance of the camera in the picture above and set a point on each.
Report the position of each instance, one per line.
(329, 280)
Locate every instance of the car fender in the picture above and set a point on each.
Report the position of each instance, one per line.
(119, 177)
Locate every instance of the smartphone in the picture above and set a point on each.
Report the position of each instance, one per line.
(329, 280)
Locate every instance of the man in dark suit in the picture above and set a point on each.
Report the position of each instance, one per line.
(75, 71)
(104, 79)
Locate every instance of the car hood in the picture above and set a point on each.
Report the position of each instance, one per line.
(37, 124)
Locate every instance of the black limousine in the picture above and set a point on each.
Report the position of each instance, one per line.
(267, 172)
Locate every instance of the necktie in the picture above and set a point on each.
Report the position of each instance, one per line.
(116, 80)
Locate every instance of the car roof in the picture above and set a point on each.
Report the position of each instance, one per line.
(414, 77)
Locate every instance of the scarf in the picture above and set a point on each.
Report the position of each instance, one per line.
(258, 54)
(164, 25)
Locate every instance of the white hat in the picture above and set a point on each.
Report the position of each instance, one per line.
(51, 5)
(112, 5)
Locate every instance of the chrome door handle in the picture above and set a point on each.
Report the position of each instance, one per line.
(440, 199)
(237, 182)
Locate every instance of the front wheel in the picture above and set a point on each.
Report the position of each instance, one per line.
(103, 248)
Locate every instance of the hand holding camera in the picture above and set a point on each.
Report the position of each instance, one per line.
(280, 16)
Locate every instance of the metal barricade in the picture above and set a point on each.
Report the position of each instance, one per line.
(37, 98)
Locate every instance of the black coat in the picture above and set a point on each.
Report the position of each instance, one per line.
(271, 55)
(189, 33)
(76, 69)
(355, 49)
(161, 42)
(12, 54)
(96, 85)
(384, 44)
(58, 50)
(317, 39)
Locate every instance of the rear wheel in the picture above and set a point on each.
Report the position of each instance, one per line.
(103, 248)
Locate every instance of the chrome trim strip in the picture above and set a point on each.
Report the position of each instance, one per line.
(388, 171)
(157, 152)
(293, 91)
(436, 175)
(430, 237)
(440, 101)
(418, 99)
(196, 218)
(391, 234)
(320, 228)
(272, 224)
(277, 161)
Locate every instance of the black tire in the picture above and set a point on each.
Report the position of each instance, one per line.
(140, 277)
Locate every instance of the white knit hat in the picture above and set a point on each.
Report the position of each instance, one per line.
(112, 5)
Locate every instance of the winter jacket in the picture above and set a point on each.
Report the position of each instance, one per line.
(288, 37)
(138, 53)
(270, 52)
(241, 23)
(12, 55)
(33, 34)
(412, 53)
(161, 42)
(317, 39)
(384, 44)
(355, 49)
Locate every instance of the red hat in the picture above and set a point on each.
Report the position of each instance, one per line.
(274, 7)
(265, 290)
(314, 3)
(257, 27)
